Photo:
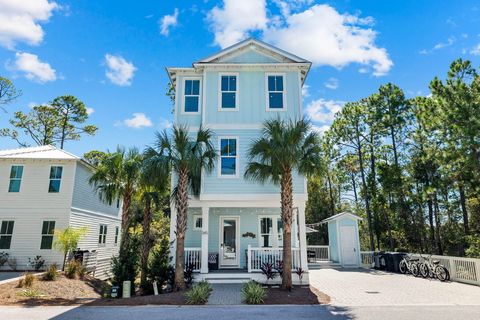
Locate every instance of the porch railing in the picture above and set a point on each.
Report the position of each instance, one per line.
(256, 257)
(367, 258)
(193, 256)
(322, 253)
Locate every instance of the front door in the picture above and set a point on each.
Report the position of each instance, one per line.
(229, 242)
(348, 245)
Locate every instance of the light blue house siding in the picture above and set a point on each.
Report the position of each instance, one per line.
(332, 241)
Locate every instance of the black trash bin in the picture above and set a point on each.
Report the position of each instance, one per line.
(213, 261)
(397, 257)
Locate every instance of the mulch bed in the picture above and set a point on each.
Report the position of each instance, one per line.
(298, 295)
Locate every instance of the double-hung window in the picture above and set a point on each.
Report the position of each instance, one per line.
(228, 157)
(16, 173)
(191, 95)
(48, 228)
(271, 231)
(197, 222)
(102, 235)
(55, 179)
(116, 234)
(228, 92)
(6, 231)
(276, 93)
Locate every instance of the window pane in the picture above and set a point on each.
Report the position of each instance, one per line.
(232, 147)
(16, 172)
(188, 86)
(14, 186)
(10, 227)
(266, 225)
(191, 104)
(228, 166)
(271, 83)
(5, 242)
(54, 186)
(51, 227)
(56, 172)
(196, 87)
(3, 229)
(275, 100)
(224, 147)
(44, 227)
(224, 86)
(232, 83)
(198, 223)
(46, 242)
(279, 83)
(228, 100)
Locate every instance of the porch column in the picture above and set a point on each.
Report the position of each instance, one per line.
(303, 238)
(204, 252)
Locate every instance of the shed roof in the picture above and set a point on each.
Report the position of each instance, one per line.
(40, 152)
(341, 215)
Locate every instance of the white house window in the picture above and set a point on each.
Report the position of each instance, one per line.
(102, 235)
(191, 95)
(228, 157)
(271, 232)
(116, 235)
(275, 98)
(16, 173)
(55, 179)
(6, 232)
(197, 222)
(48, 228)
(228, 92)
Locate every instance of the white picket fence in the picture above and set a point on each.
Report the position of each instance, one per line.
(193, 256)
(466, 270)
(322, 253)
(256, 257)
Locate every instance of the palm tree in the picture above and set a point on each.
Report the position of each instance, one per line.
(186, 157)
(284, 147)
(117, 177)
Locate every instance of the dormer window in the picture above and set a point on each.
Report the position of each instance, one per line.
(191, 100)
(275, 92)
(228, 92)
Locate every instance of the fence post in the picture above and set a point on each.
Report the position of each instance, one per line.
(477, 268)
(249, 258)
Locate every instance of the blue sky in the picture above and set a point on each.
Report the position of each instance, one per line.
(112, 54)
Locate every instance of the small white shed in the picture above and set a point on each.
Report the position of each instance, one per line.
(343, 239)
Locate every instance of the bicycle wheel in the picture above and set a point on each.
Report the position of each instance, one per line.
(403, 266)
(414, 270)
(442, 273)
(423, 269)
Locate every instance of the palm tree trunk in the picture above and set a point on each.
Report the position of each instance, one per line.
(287, 217)
(146, 241)
(182, 204)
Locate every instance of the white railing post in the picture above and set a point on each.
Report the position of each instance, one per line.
(303, 238)
(204, 251)
(477, 268)
(249, 258)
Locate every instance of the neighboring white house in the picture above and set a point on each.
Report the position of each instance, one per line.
(45, 188)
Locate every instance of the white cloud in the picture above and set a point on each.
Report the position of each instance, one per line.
(320, 33)
(475, 50)
(33, 68)
(20, 21)
(233, 22)
(168, 21)
(90, 111)
(165, 124)
(450, 41)
(322, 110)
(119, 71)
(138, 120)
(332, 83)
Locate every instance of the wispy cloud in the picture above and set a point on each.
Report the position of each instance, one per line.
(332, 83)
(120, 71)
(450, 41)
(475, 50)
(167, 22)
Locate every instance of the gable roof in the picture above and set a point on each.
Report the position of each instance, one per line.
(40, 152)
(260, 46)
(341, 215)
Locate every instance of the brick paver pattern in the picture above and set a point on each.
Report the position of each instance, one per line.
(226, 294)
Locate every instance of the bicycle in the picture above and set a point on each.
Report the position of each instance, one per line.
(433, 268)
(409, 264)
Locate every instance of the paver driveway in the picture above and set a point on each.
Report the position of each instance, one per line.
(358, 287)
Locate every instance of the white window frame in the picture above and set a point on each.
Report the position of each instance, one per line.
(284, 95)
(47, 234)
(195, 218)
(10, 179)
(276, 242)
(237, 158)
(54, 179)
(237, 91)
(183, 112)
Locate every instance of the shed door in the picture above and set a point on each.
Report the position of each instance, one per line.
(348, 245)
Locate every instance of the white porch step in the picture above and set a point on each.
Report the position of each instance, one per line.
(323, 265)
(224, 277)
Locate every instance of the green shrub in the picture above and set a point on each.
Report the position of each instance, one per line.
(81, 271)
(3, 258)
(51, 274)
(72, 268)
(199, 293)
(37, 262)
(253, 293)
(30, 293)
(159, 268)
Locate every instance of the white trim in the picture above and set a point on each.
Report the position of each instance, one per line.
(183, 112)
(75, 210)
(284, 92)
(237, 126)
(249, 197)
(237, 158)
(237, 91)
(237, 241)
(204, 101)
(204, 250)
(195, 217)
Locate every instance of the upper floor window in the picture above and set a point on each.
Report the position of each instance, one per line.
(276, 91)
(228, 92)
(228, 157)
(48, 228)
(16, 173)
(6, 231)
(55, 179)
(192, 95)
(102, 235)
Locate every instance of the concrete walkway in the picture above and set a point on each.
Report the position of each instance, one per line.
(359, 287)
(226, 294)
